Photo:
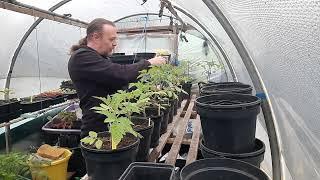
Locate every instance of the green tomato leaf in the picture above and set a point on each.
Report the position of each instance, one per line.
(98, 144)
(93, 134)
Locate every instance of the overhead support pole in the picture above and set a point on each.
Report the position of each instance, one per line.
(266, 106)
(37, 12)
(175, 42)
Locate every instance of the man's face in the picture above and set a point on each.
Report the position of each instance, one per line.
(108, 39)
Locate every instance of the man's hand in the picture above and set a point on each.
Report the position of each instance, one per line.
(157, 60)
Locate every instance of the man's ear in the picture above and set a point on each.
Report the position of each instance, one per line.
(96, 35)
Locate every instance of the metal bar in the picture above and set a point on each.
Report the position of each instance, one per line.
(223, 53)
(7, 137)
(268, 112)
(37, 12)
(175, 148)
(140, 14)
(22, 41)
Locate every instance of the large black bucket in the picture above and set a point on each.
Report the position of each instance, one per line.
(221, 169)
(229, 121)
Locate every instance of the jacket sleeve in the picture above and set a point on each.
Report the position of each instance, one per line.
(94, 67)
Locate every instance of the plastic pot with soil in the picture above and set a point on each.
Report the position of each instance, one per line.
(171, 113)
(148, 171)
(108, 163)
(144, 55)
(123, 59)
(63, 123)
(9, 109)
(157, 118)
(165, 120)
(221, 169)
(145, 128)
(187, 88)
(226, 87)
(176, 106)
(31, 104)
(229, 121)
(254, 157)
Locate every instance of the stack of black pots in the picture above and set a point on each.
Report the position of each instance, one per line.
(228, 113)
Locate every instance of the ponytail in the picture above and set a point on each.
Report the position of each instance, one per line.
(82, 43)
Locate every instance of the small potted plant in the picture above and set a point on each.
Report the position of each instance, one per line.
(209, 68)
(108, 154)
(151, 109)
(9, 109)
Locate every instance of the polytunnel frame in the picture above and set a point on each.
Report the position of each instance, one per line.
(267, 109)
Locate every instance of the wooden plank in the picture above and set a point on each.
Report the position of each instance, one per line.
(163, 139)
(193, 150)
(36, 12)
(193, 114)
(147, 29)
(175, 148)
(184, 141)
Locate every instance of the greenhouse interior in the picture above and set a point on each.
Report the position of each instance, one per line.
(159, 89)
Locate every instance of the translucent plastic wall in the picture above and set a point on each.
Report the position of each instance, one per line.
(283, 39)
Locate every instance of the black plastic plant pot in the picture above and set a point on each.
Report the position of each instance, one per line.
(124, 59)
(58, 99)
(176, 106)
(171, 111)
(148, 171)
(144, 55)
(254, 158)
(9, 116)
(165, 120)
(35, 105)
(108, 164)
(226, 87)
(152, 113)
(187, 88)
(146, 133)
(117, 54)
(221, 169)
(10, 106)
(229, 121)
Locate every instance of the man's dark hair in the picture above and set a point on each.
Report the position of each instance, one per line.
(94, 26)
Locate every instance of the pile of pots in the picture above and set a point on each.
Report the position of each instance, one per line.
(228, 113)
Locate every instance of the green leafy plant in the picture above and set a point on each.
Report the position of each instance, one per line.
(6, 92)
(93, 139)
(209, 67)
(13, 166)
(165, 78)
(118, 109)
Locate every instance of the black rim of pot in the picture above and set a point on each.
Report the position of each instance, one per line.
(259, 149)
(244, 165)
(143, 118)
(111, 151)
(244, 105)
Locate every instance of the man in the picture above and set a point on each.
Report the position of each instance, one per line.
(95, 75)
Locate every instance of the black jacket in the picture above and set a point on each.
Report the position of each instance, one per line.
(95, 75)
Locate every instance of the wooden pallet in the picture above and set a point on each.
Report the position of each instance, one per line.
(180, 121)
